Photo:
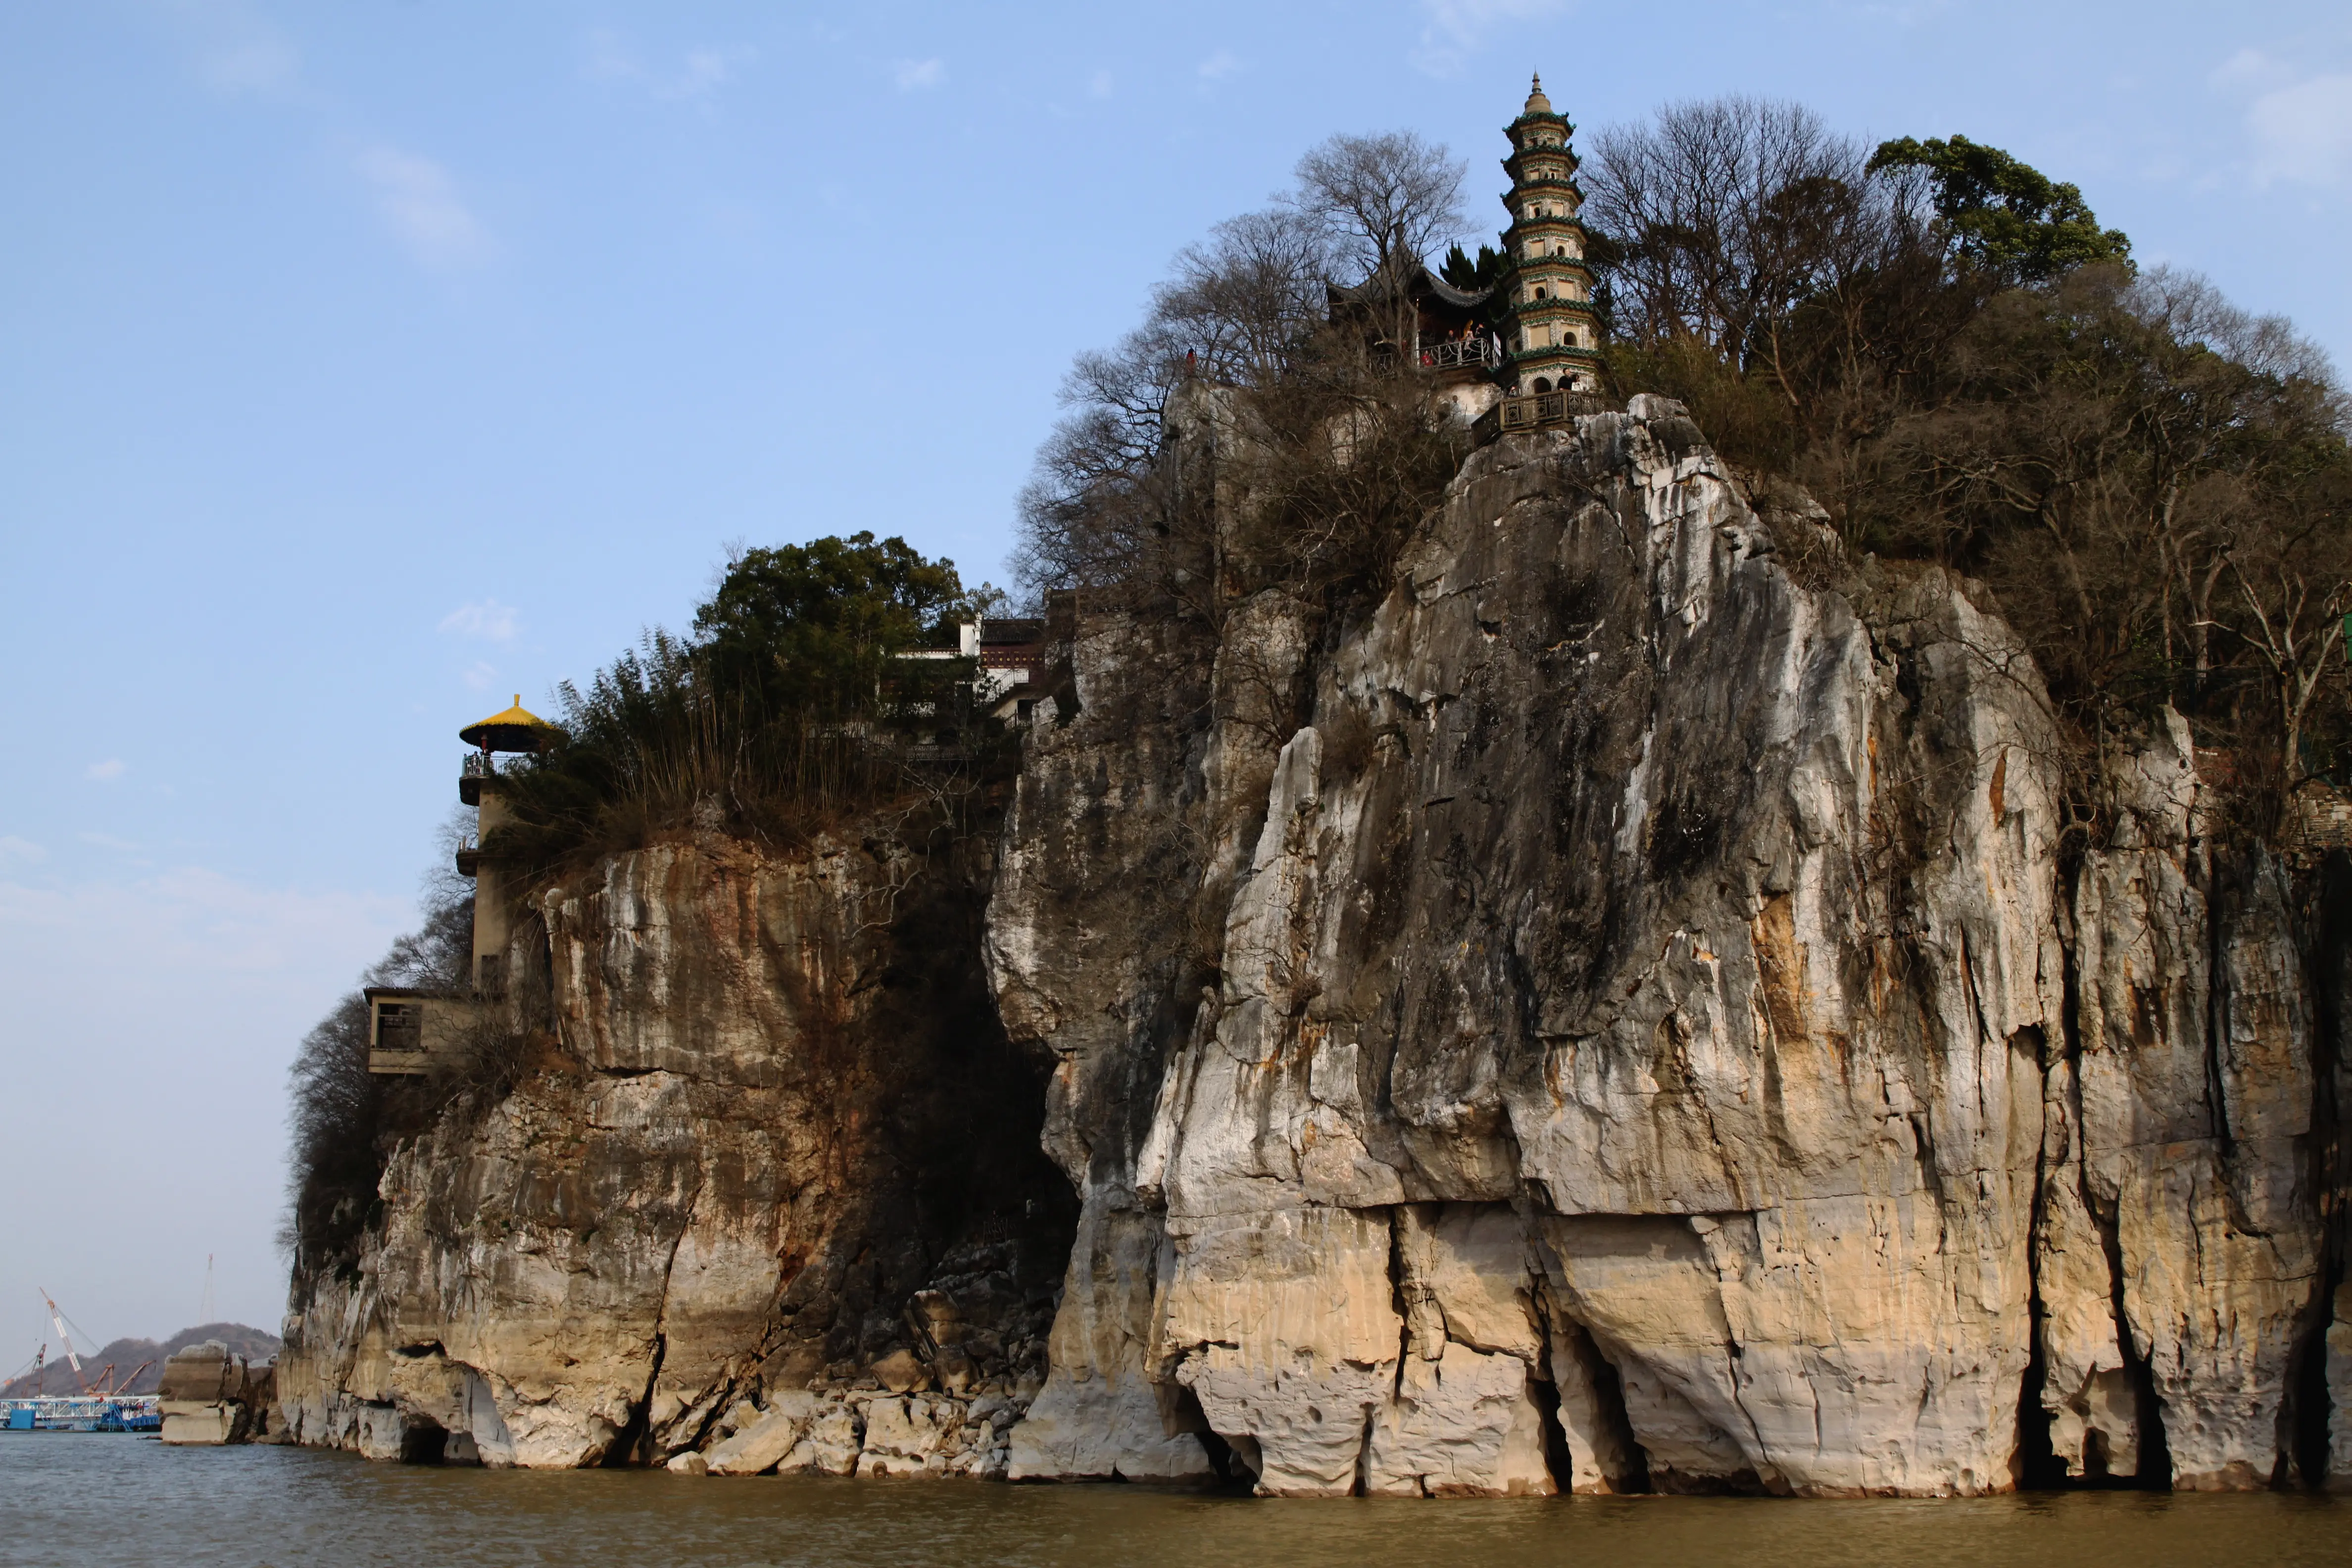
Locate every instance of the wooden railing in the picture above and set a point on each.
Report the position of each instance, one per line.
(1478, 350)
(1534, 411)
(1467, 354)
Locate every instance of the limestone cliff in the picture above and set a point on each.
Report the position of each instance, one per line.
(773, 1136)
(1638, 1026)
(1612, 1013)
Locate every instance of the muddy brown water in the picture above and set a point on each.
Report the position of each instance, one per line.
(67, 1499)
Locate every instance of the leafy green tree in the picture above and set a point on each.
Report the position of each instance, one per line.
(1489, 268)
(2003, 214)
(815, 629)
(777, 712)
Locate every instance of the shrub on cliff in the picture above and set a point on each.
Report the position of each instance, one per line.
(1943, 345)
(789, 703)
(1341, 455)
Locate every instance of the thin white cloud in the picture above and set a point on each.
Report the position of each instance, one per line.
(484, 619)
(707, 70)
(2246, 68)
(106, 772)
(1457, 29)
(914, 76)
(2303, 134)
(195, 918)
(109, 841)
(2298, 126)
(250, 65)
(14, 848)
(235, 50)
(481, 677)
(418, 202)
(1219, 66)
(608, 55)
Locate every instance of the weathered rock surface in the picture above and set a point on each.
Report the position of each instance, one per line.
(1608, 1015)
(208, 1395)
(1635, 1028)
(774, 1105)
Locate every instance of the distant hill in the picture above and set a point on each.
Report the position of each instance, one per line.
(58, 1377)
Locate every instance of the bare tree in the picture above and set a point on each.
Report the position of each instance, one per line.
(1247, 299)
(1723, 215)
(1383, 200)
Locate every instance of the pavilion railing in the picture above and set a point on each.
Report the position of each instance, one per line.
(1478, 350)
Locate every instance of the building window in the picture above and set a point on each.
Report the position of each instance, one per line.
(397, 1027)
(1539, 293)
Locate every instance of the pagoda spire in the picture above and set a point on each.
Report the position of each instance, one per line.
(1553, 343)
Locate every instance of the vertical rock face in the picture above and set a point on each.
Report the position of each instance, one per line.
(776, 1108)
(1608, 1015)
(1637, 1031)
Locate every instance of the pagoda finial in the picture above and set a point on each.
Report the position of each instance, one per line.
(1537, 102)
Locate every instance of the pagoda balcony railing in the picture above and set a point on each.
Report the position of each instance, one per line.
(486, 765)
(1478, 350)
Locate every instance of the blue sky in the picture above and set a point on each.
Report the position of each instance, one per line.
(363, 364)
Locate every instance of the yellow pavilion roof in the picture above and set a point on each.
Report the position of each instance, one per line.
(516, 729)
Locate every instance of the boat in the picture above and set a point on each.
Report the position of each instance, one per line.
(84, 1413)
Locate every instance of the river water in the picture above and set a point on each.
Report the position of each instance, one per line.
(69, 1498)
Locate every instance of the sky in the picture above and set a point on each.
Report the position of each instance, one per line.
(365, 364)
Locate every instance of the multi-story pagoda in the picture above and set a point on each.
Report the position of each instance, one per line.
(1553, 343)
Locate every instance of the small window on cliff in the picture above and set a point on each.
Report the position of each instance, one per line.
(397, 1026)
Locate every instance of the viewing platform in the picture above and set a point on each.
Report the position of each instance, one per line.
(1534, 411)
(475, 767)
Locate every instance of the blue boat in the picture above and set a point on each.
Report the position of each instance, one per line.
(84, 1413)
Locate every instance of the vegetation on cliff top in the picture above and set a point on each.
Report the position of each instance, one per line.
(788, 706)
(1943, 347)
(1937, 342)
